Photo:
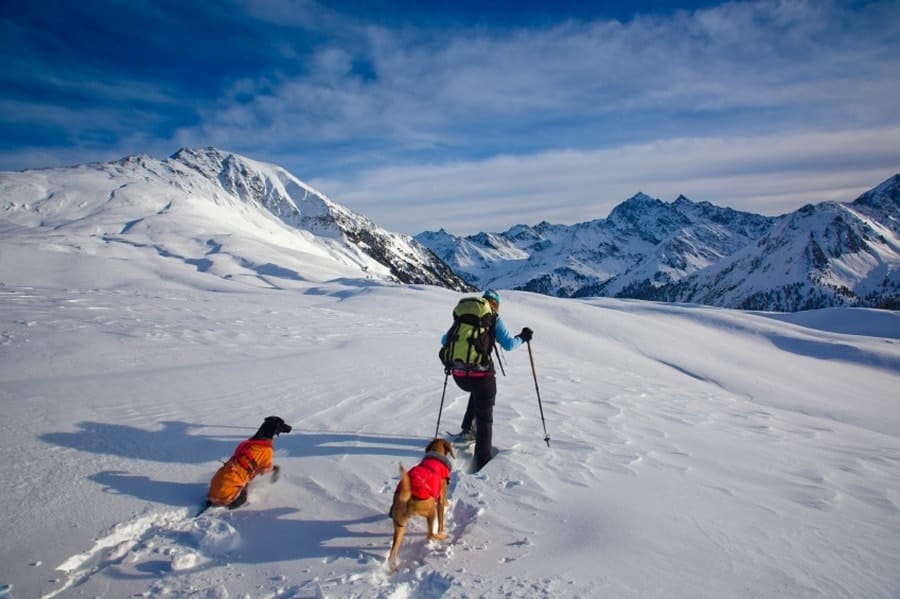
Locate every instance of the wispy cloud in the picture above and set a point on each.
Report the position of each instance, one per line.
(722, 103)
(768, 174)
(461, 93)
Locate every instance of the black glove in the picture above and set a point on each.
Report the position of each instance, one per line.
(526, 334)
(275, 471)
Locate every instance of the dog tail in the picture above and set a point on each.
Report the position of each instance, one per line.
(404, 489)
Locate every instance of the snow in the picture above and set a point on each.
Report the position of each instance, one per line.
(147, 327)
(695, 451)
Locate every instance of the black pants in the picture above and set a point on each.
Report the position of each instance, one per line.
(482, 392)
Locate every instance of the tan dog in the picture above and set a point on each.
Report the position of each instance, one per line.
(422, 492)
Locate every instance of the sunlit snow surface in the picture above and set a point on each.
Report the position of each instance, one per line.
(695, 452)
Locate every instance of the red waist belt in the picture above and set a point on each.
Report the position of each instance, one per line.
(473, 373)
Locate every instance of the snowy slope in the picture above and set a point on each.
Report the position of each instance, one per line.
(695, 451)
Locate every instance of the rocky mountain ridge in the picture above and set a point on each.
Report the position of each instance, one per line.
(829, 254)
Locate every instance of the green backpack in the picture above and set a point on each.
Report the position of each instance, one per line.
(470, 339)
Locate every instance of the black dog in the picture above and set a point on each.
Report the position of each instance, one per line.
(252, 457)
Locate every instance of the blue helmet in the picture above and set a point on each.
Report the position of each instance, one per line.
(491, 296)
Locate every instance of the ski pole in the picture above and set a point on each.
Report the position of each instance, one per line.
(437, 428)
(540, 406)
(499, 361)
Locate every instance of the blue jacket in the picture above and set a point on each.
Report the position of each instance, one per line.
(506, 340)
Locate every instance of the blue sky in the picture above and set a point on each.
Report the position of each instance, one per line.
(471, 116)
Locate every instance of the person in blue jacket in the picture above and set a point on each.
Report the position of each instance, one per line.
(482, 387)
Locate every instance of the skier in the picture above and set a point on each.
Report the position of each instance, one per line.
(479, 380)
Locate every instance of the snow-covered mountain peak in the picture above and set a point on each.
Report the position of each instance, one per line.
(636, 207)
(885, 195)
(217, 212)
(268, 185)
(820, 255)
(224, 214)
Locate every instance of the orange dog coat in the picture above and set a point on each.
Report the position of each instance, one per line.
(252, 457)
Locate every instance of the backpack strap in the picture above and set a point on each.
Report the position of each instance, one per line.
(243, 459)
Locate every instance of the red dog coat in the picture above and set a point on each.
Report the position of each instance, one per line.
(426, 477)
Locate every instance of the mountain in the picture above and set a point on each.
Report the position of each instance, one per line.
(218, 213)
(643, 239)
(225, 216)
(830, 254)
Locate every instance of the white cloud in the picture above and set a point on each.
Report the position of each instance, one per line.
(737, 104)
(746, 66)
(769, 174)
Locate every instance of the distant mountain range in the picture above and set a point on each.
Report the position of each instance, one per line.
(829, 254)
(216, 212)
(225, 215)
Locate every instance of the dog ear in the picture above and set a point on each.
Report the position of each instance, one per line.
(448, 447)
